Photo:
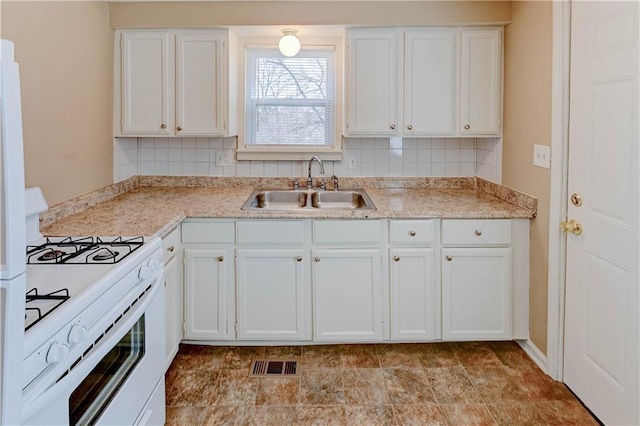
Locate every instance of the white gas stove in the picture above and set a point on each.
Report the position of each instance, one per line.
(94, 330)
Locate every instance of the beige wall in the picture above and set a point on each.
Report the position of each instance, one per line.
(65, 53)
(527, 121)
(383, 13)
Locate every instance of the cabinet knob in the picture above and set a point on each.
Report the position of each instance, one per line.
(220, 258)
(163, 126)
(478, 232)
(392, 127)
(171, 249)
(317, 259)
(179, 128)
(409, 127)
(299, 258)
(449, 258)
(412, 233)
(467, 127)
(396, 258)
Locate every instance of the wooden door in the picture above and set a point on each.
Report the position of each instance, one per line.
(601, 355)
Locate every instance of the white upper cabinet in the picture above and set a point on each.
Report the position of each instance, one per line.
(480, 82)
(429, 91)
(173, 83)
(145, 83)
(423, 82)
(372, 82)
(199, 80)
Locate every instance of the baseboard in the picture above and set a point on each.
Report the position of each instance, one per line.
(534, 353)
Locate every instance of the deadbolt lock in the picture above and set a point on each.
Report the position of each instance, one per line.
(576, 199)
(571, 227)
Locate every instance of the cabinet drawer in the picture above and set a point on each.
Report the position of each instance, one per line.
(208, 232)
(347, 232)
(476, 232)
(411, 231)
(170, 245)
(271, 232)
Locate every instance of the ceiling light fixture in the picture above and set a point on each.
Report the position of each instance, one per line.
(289, 44)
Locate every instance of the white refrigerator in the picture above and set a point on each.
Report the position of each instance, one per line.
(12, 238)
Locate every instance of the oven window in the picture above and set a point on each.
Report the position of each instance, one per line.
(92, 396)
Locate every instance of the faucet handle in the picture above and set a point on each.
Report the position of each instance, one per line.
(323, 184)
(335, 182)
(296, 184)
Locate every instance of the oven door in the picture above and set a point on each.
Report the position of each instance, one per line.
(115, 381)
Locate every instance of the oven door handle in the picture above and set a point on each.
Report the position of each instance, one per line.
(36, 399)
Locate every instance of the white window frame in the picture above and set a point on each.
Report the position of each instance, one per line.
(291, 152)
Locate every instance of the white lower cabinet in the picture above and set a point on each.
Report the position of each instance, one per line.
(271, 294)
(207, 274)
(415, 299)
(347, 295)
(476, 293)
(173, 294)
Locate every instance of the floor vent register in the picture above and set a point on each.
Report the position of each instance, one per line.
(274, 368)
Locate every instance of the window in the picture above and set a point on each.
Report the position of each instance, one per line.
(290, 103)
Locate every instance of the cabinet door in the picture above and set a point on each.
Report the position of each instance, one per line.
(208, 274)
(476, 293)
(199, 82)
(347, 290)
(271, 294)
(145, 83)
(480, 85)
(428, 82)
(415, 298)
(372, 83)
(173, 307)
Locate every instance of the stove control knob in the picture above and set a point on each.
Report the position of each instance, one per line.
(144, 273)
(154, 265)
(57, 353)
(77, 334)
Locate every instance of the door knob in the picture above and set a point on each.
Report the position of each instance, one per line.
(571, 226)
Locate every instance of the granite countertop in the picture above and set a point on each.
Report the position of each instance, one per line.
(154, 206)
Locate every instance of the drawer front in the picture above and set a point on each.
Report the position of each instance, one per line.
(208, 232)
(290, 232)
(411, 231)
(347, 232)
(476, 232)
(170, 245)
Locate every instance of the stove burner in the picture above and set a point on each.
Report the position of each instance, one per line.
(57, 298)
(105, 254)
(51, 255)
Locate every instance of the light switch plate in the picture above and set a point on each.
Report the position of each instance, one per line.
(542, 156)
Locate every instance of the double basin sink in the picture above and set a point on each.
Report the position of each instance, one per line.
(308, 199)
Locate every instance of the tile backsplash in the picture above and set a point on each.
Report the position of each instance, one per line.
(379, 157)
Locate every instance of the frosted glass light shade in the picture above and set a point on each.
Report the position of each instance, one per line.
(289, 44)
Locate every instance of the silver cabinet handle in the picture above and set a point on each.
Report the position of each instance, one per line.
(396, 258)
(412, 233)
(409, 127)
(478, 232)
(449, 258)
(299, 258)
(467, 127)
(317, 259)
(171, 249)
(393, 127)
(220, 258)
(163, 126)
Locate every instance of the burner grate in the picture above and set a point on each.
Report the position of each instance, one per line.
(60, 296)
(85, 250)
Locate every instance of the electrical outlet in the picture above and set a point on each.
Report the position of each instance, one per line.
(224, 157)
(353, 162)
(542, 156)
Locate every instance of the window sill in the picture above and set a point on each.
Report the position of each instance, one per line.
(274, 154)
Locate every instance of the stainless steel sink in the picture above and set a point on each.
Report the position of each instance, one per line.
(302, 199)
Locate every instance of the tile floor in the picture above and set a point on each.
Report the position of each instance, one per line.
(391, 384)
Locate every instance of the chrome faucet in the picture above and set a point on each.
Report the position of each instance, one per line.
(309, 179)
